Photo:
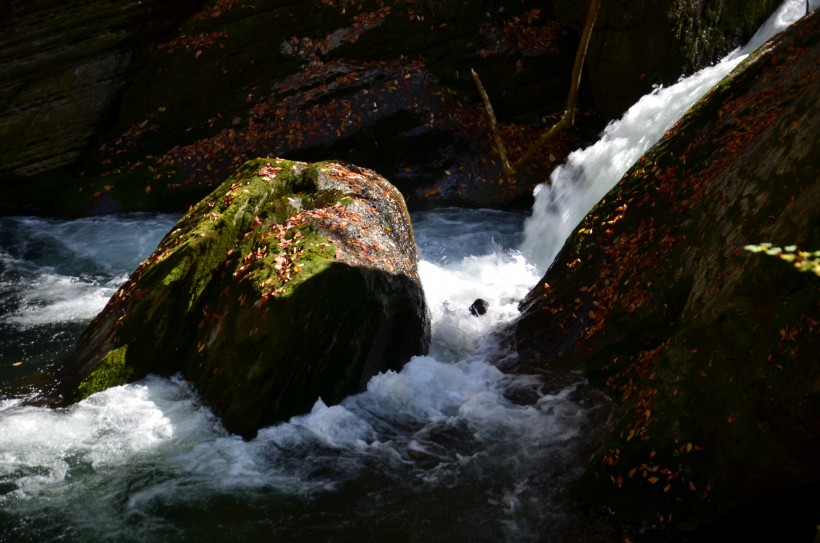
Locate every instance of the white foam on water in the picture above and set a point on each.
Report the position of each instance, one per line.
(58, 298)
(154, 447)
(65, 271)
(117, 465)
(108, 430)
(501, 280)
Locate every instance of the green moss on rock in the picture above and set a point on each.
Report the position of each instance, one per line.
(112, 371)
(290, 281)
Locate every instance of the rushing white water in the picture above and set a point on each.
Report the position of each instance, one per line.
(76, 265)
(465, 261)
(131, 463)
(444, 449)
(56, 275)
(576, 186)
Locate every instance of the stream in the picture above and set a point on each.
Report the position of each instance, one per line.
(449, 449)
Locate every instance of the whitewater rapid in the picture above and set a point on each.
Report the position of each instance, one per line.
(447, 448)
(128, 463)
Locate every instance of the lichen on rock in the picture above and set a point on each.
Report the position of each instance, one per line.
(290, 282)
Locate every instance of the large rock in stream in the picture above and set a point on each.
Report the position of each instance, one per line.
(288, 283)
(711, 351)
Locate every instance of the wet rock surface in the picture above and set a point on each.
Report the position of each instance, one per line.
(290, 282)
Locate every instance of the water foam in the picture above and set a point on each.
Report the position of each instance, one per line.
(132, 454)
(108, 430)
(466, 255)
(65, 271)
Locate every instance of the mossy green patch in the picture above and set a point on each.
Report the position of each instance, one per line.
(275, 281)
(112, 371)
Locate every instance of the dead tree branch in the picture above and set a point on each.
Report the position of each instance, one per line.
(566, 120)
(499, 143)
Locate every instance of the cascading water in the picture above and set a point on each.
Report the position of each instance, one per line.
(575, 187)
(444, 450)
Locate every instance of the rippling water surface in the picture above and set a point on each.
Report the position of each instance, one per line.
(439, 450)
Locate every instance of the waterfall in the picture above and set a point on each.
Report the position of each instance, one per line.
(448, 448)
(588, 174)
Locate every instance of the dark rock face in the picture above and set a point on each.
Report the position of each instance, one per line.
(62, 65)
(710, 349)
(387, 87)
(637, 44)
(108, 106)
(288, 283)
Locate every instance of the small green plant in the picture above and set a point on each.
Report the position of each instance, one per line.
(805, 261)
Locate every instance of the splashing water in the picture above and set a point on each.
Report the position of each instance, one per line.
(439, 451)
(57, 275)
(454, 276)
(69, 261)
(576, 186)
(149, 462)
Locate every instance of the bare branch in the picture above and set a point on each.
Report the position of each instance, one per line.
(580, 56)
(499, 143)
(566, 120)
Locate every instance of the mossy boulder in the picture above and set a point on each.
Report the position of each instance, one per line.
(711, 351)
(290, 282)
